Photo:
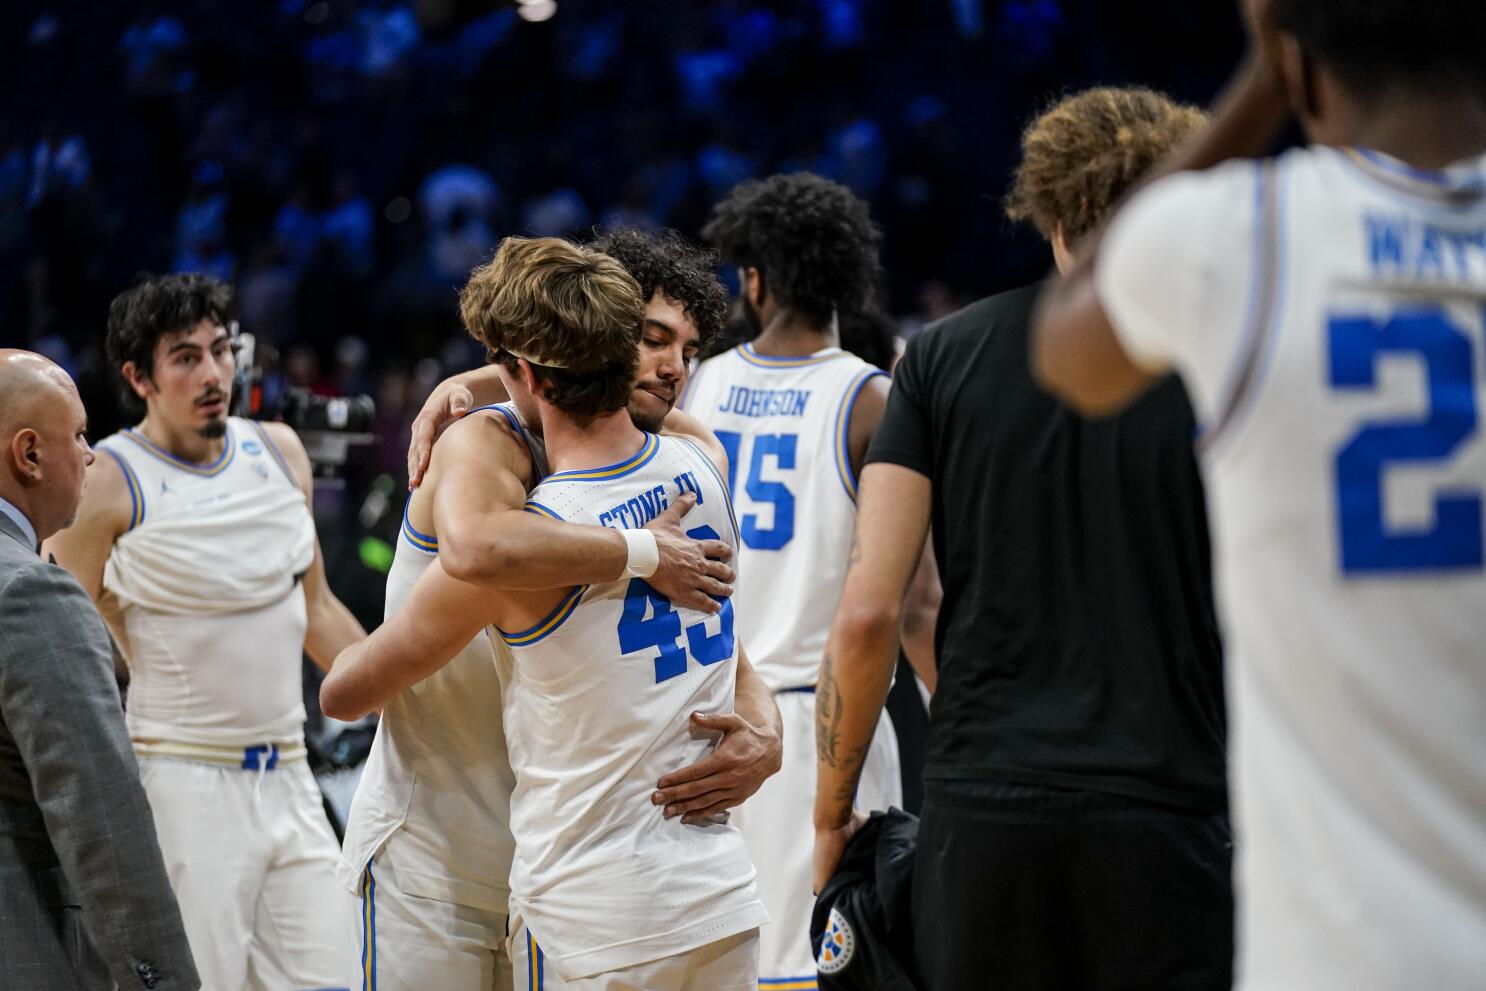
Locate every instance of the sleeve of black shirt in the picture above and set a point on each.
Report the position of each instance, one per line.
(905, 436)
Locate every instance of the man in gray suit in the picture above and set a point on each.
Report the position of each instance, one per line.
(84, 899)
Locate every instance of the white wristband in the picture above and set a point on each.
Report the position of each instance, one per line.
(644, 554)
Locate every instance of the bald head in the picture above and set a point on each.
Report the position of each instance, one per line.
(41, 427)
(31, 387)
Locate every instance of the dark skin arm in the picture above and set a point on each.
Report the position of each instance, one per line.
(1076, 353)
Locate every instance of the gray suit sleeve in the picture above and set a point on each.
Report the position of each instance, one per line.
(62, 705)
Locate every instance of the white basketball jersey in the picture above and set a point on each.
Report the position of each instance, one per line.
(207, 581)
(1328, 311)
(784, 423)
(438, 782)
(597, 699)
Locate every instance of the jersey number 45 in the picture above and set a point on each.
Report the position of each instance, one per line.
(649, 620)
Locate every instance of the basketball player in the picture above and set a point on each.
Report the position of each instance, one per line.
(195, 538)
(428, 845)
(1326, 310)
(795, 414)
(597, 684)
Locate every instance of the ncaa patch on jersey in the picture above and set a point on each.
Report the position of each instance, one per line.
(837, 946)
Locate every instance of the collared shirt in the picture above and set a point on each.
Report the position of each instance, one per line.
(27, 530)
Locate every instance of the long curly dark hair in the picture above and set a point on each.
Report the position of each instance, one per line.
(667, 262)
(812, 240)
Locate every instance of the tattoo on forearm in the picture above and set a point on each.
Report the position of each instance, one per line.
(827, 714)
(829, 708)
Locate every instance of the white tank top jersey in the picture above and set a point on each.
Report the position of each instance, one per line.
(438, 777)
(784, 423)
(597, 699)
(1328, 312)
(207, 581)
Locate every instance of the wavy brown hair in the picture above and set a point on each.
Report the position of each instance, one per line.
(574, 314)
(1085, 151)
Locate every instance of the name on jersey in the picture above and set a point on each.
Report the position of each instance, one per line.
(1401, 246)
(765, 402)
(636, 512)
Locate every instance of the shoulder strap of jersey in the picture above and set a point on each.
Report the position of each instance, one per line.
(709, 466)
(842, 430)
(111, 447)
(273, 450)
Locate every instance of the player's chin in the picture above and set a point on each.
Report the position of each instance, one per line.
(215, 426)
(648, 410)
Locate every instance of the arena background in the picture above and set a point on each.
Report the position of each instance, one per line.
(346, 163)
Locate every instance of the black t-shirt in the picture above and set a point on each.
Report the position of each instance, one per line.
(1077, 643)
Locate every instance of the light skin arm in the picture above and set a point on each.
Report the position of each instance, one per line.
(487, 538)
(439, 618)
(862, 650)
(332, 628)
(450, 400)
(1076, 353)
(751, 749)
(102, 517)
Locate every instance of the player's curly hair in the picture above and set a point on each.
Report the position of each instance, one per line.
(572, 313)
(669, 263)
(812, 240)
(1081, 154)
(1378, 45)
(156, 306)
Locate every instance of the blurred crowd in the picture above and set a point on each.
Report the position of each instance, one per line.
(346, 162)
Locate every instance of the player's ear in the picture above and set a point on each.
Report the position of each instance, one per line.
(139, 383)
(751, 281)
(528, 377)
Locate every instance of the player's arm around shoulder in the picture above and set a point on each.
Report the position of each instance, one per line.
(679, 423)
(331, 626)
(476, 487)
(105, 513)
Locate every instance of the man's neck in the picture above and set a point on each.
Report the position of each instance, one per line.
(188, 444)
(18, 503)
(1426, 134)
(790, 335)
(607, 440)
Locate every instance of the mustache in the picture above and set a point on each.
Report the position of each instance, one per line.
(211, 395)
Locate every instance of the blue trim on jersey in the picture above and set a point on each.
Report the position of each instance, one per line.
(727, 497)
(215, 468)
(278, 456)
(548, 624)
(1268, 324)
(511, 418)
(537, 509)
(368, 930)
(536, 963)
(610, 472)
(1438, 188)
(421, 541)
(843, 427)
(748, 354)
(136, 491)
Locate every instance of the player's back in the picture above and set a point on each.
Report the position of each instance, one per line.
(1348, 477)
(597, 698)
(784, 423)
(438, 778)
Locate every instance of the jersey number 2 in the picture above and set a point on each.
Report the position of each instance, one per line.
(780, 447)
(1454, 540)
(662, 628)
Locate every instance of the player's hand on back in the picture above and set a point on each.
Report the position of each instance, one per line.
(744, 758)
(692, 573)
(450, 400)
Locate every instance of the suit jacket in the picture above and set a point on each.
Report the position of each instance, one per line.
(84, 898)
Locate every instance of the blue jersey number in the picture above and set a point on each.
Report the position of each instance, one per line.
(1453, 540)
(662, 628)
(781, 448)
